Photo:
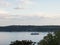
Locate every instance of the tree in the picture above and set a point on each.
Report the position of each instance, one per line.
(57, 37)
(50, 39)
(23, 42)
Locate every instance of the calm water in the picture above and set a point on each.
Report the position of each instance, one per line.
(7, 37)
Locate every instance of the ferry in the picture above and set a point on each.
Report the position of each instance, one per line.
(35, 33)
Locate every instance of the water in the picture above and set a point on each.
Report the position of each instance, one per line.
(7, 37)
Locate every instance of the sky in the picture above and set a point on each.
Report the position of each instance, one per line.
(29, 12)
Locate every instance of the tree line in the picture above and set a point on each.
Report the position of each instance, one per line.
(22, 28)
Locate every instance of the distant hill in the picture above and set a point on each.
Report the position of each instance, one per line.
(29, 28)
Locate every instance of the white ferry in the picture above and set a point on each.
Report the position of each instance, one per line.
(34, 33)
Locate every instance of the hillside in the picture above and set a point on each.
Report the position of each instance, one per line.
(29, 28)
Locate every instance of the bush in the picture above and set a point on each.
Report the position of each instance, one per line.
(23, 42)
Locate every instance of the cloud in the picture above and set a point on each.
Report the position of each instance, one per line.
(17, 8)
(35, 13)
(24, 4)
(5, 3)
(44, 14)
(29, 20)
(28, 2)
(3, 12)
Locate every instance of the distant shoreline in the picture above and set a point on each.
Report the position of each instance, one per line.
(20, 28)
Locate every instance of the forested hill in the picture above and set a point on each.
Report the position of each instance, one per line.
(20, 28)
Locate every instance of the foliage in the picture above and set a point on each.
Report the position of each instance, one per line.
(51, 39)
(23, 42)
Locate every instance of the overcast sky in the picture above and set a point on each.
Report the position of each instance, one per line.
(29, 12)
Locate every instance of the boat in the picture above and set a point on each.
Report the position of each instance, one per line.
(35, 33)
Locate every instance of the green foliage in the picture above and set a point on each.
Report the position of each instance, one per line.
(23, 42)
(51, 39)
